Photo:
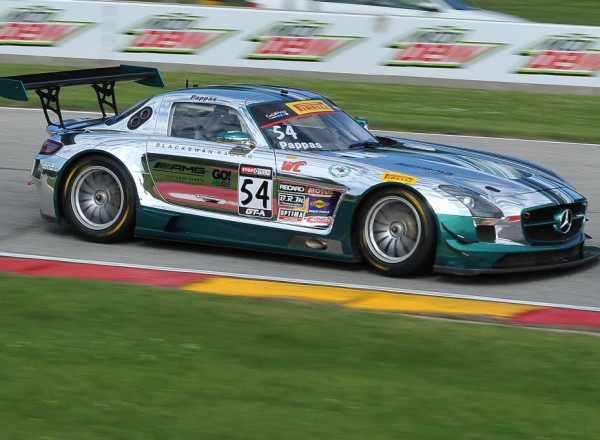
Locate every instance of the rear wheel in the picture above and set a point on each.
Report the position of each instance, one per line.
(397, 233)
(99, 200)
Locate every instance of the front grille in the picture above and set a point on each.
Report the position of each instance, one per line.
(537, 259)
(543, 225)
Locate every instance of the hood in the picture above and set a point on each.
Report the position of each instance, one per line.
(483, 172)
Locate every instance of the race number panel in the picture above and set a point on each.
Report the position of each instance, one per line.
(255, 191)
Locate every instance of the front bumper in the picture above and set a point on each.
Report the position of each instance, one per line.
(462, 250)
(531, 262)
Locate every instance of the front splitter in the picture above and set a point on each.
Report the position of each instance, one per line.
(590, 255)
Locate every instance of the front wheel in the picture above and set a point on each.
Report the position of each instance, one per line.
(99, 200)
(397, 233)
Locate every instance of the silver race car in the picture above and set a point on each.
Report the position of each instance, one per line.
(287, 170)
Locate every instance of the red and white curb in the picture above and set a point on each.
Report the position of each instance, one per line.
(344, 295)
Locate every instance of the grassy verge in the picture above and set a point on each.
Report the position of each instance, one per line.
(82, 359)
(395, 107)
(583, 12)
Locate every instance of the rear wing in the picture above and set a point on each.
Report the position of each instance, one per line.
(102, 80)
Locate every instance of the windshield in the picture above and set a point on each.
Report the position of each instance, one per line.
(310, 125)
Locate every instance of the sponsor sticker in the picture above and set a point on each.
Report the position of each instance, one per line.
(178, 172)
(277, 115)
(49, 166)
(290, 187)
(246, 153)
(319, 190)
(319, 205)
(292, 167)
(309, 106)
(290, 215)
(251, 170)
(292, 200)
(395, 177)
(337, 170)
(221, 178)
(319, 220)
(180, 168)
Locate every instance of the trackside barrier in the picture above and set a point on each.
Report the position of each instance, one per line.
(382, 47)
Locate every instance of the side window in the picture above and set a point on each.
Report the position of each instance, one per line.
(202, 121)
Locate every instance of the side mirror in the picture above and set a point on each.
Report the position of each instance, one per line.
(232, 137)
(362, 121)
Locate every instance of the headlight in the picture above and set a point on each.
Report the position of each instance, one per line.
(477, 204)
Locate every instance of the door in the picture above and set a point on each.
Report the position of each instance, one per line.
(204, 157)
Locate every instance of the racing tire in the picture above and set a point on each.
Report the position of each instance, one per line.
(397, 233)
(99, 200)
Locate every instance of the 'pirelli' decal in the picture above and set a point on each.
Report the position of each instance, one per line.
(395, 177)
(308, 107)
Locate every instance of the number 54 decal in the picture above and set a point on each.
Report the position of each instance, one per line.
(289, 131)
(255, 191)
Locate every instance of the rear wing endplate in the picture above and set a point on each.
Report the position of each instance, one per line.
(102, 80)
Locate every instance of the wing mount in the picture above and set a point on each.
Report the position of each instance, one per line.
(48, 85)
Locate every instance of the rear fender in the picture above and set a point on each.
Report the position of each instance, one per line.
(65, 175)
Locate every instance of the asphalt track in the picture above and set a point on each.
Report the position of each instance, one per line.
(22, 231)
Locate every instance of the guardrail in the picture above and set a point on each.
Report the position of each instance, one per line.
(378, 48)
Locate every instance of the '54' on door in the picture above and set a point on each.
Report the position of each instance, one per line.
(255, 191)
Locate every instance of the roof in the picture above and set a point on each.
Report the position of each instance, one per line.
(253, 93)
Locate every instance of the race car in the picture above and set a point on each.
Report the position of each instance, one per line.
(286, 170)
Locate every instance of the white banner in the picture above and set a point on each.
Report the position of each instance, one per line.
(222, 37)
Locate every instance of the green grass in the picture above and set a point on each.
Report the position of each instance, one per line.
(88, 360)
(582, 12)
(394, 107)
